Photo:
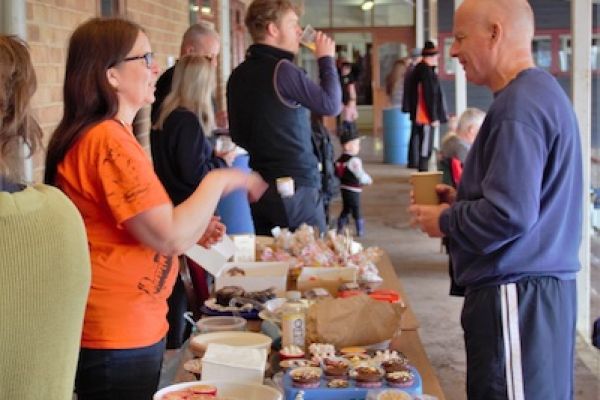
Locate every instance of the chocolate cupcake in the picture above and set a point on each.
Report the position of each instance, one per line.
(368, 377)
(400, 379)
(335, 368)
(394, 365)
(306, 377)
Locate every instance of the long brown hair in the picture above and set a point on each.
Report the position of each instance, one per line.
(95, 46)
(192, 88)
(398, 71)
(17, 85)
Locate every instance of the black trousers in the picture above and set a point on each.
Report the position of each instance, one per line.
(351, 204)
(413, 147)
(179, 328)
(520, 340)
(425, 136)
(305, 206)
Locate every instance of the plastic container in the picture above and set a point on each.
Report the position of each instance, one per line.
(396, 136)
(218, 324)
(293, 321)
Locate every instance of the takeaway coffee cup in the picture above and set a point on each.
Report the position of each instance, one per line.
(285, 186)
(423, 184)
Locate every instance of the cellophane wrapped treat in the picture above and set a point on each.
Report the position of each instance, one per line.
(304, 248)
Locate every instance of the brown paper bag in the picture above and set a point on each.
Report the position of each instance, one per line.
(353, 321)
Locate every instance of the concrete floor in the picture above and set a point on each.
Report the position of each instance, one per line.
(423, 270)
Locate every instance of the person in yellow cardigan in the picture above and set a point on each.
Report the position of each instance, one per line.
(44, 264)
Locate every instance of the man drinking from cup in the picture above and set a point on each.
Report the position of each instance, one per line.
(267, 98)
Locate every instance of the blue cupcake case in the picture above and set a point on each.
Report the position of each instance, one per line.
(350, 393)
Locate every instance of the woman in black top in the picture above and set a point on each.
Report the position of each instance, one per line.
(181, 151)
(182, 156)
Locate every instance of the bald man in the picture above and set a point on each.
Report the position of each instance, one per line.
(514, 225)
(199, 39)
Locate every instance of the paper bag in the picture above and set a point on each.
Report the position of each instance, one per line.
(353, 321)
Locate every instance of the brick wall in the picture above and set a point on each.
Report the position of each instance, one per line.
(49, 26)
(164, 23)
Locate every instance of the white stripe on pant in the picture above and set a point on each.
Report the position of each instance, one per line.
(512, 341)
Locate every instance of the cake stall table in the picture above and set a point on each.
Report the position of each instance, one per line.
(408, 342)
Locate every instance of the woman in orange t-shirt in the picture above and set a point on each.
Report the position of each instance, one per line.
(134, 232)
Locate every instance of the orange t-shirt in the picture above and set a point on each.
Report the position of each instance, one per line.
(110, 179)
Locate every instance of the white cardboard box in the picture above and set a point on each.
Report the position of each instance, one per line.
(234, 364)
(259, 275)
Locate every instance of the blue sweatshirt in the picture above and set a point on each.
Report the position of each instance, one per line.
(518, 211)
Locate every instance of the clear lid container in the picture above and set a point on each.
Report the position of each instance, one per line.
(225, 323)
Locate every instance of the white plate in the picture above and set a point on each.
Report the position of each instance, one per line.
(229, 390)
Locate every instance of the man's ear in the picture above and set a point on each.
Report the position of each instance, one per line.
(112, 77)
(496, 32)
(272, 30)
(189, 49)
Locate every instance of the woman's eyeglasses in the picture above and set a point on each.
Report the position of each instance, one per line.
(148, 58)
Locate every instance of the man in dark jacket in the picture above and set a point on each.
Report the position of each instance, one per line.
(199, 39)
(427, 107)
(267, 99)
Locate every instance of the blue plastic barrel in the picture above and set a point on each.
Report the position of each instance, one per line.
(234, 208)
(396, 135)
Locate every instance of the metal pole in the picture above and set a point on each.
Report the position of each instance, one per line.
(13, 21)
(581, 23)
(460, 81)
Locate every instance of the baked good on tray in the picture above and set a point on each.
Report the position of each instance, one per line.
(306, 377)
(226, 293)
(394, 365)
(335, 367)
(400, 379)
(368, 376)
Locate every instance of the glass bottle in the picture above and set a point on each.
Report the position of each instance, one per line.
(293, 321)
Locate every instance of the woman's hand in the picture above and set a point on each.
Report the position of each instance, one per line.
(228, 156)
(213, 234)
(256, 187)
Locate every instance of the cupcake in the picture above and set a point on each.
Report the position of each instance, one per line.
(306, 377)
(335, 367)
(368, 377)
(338, 384)
(394, 365)
(297, 362)
(400, 379)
